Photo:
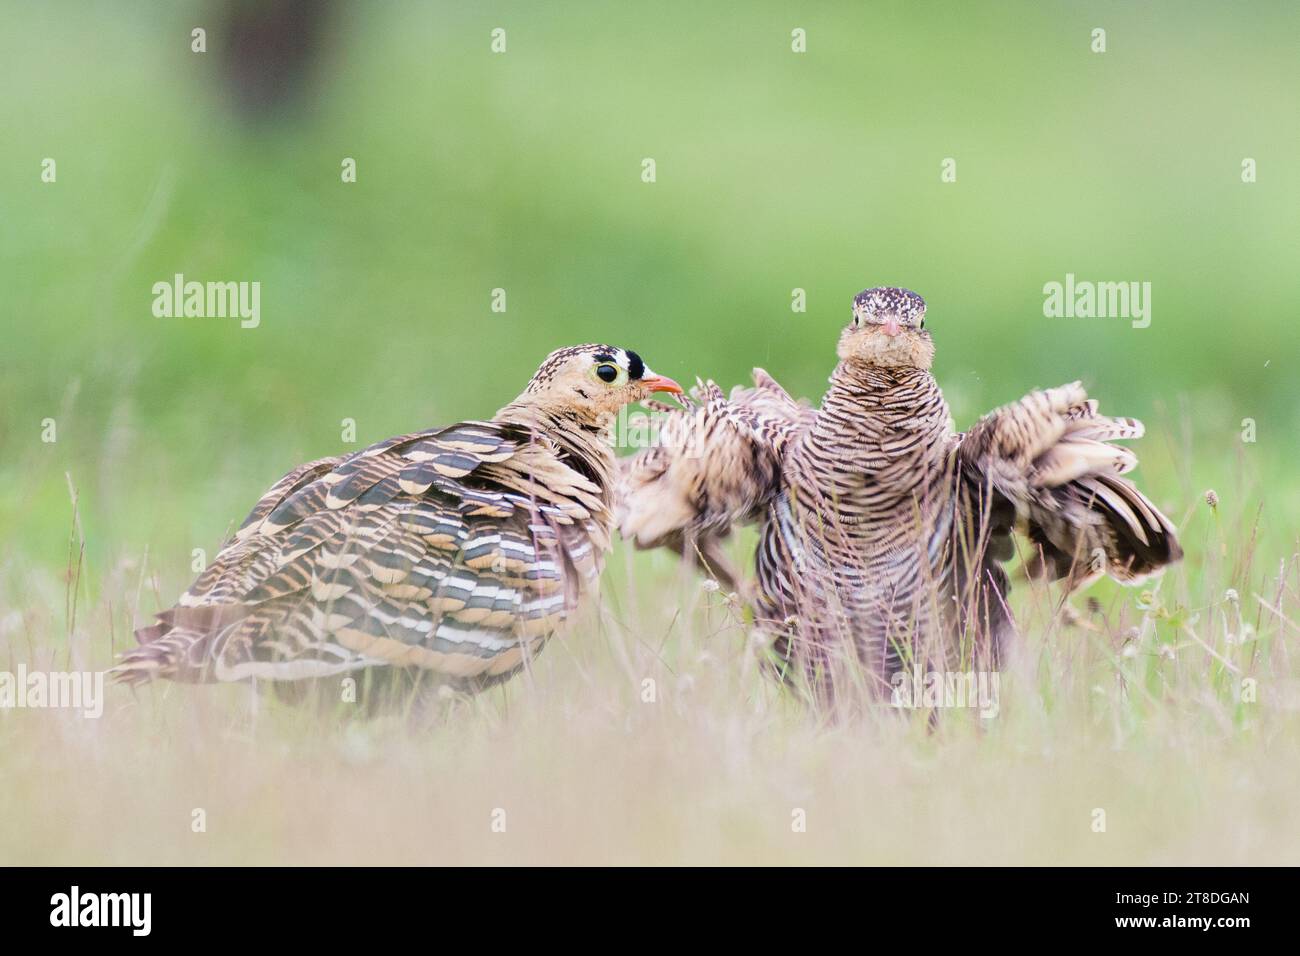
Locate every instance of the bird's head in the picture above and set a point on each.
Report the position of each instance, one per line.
(888, 330)
(594, 381)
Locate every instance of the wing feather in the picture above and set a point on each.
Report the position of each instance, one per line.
(1048, 456)
(716, 463)
(453, 550)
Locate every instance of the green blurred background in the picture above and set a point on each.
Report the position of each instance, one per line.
(522, 170)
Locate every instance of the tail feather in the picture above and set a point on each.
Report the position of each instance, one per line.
(176, 647)
(165, 652)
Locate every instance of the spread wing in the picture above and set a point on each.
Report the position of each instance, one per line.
(715, 463)
(1046, 464)
(458, 550)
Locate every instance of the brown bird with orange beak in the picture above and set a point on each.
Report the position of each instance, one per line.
(447, 556)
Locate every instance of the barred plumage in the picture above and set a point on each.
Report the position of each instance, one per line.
(715, 464)
(882, 530)
(456, 552)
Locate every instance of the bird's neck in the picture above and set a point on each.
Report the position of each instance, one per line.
(586, 440)
(876, 413)
(527, 410)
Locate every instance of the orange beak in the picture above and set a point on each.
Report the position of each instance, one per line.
(891, 326)
(661, 383)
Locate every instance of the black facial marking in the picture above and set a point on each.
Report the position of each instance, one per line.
(635, 367)
(603, 357)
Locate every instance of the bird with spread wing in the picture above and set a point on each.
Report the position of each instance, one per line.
(882, 530)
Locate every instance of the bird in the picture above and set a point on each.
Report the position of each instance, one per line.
(882, 531)
(451, 554)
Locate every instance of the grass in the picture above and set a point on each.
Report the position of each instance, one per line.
(1130, 703)
(776, 171)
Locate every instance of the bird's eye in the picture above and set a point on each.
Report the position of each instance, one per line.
(607, 373)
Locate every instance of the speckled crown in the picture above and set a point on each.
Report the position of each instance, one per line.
(903, 304)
